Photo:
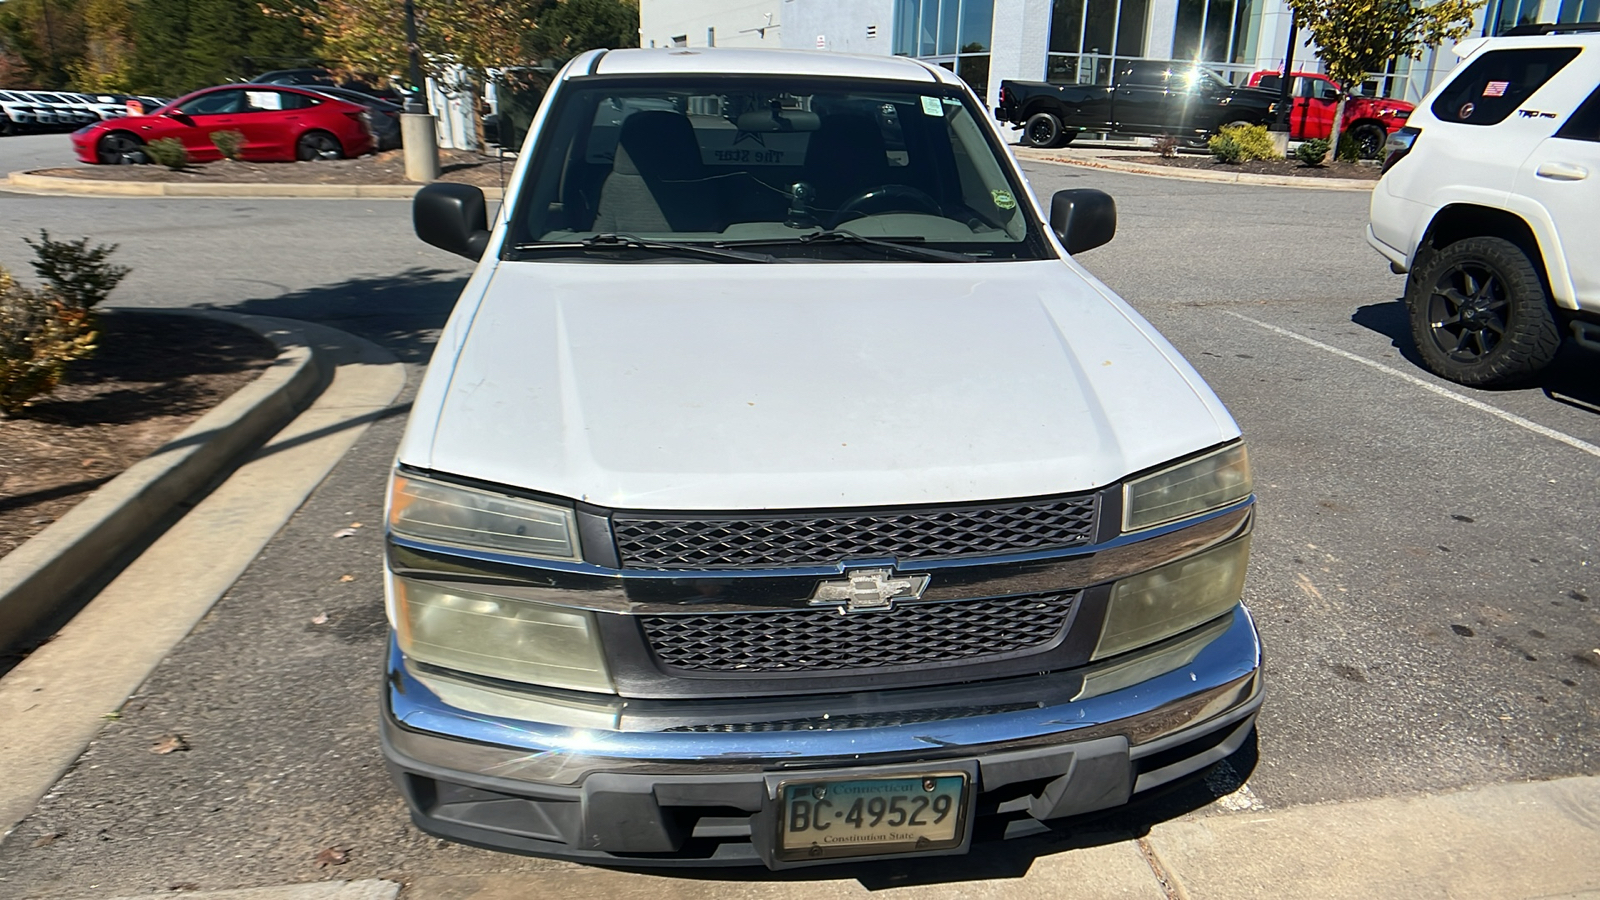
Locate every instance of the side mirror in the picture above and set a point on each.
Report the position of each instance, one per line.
(1083, 218)
(452, 217)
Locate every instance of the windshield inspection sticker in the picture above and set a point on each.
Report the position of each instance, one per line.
(1003, 199)
(932, 107)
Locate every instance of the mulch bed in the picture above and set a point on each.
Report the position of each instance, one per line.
(388, 167)
(1263, 167)
(151, 376)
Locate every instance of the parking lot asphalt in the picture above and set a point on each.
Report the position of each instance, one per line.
(1424, 574)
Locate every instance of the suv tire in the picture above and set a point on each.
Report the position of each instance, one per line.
(1041, 130)
(1480, 314)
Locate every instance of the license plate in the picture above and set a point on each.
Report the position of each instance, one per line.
(870, 816)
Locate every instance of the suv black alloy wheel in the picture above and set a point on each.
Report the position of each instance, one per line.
(1480, 315)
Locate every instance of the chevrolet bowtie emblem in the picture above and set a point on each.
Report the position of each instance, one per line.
(869, 589)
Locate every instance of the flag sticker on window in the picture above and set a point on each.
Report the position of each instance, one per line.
(1496, 88)
(932, 107)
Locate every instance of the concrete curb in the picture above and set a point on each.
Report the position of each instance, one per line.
(94, 537)
(1112, 164)
(35, 183)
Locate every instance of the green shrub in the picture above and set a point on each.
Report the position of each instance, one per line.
(1312, 152)
(1167, 146)
(80, 276)
(39, 335)
(1225, 149)
(1254, 141)
(1349, 149)
(227, 143)
(168, 152)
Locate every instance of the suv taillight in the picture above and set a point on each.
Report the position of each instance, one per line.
(1400, 143)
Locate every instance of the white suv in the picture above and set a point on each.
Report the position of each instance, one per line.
(1490, 199)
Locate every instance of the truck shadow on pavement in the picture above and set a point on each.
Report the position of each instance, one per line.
(1569, 380)
(402, 312)
(1011, 859)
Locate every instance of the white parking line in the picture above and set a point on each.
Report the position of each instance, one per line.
(1495, 411)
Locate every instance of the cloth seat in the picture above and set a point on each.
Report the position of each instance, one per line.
(658, 181)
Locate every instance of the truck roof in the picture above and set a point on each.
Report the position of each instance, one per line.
(741, 61)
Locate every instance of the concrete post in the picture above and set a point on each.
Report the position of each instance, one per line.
(420, 137)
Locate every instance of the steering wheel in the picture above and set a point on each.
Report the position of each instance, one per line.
(885, 198)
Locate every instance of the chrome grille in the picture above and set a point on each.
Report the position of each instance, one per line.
(824, 639)
(760, 541)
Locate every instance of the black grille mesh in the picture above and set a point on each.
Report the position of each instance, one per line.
(850, 721)
(823, 639)
(759, 541)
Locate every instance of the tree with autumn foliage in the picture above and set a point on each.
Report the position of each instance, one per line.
(369, 36)
(1355, 37)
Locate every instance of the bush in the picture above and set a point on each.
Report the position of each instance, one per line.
(80, 276)
(39, 335)
(227, 143)
(1225, 149)
(1349, 150)
(1312, 152)
(1254, 141)
(1167, 146)
(168, 152)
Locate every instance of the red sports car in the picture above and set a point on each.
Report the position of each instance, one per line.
(278, 123)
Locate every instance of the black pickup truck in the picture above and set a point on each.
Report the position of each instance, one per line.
(1146, 97)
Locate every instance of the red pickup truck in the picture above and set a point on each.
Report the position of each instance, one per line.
(1367, 120)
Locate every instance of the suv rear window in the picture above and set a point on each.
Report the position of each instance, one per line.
(1498, 82)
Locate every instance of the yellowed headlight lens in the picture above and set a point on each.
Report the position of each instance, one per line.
(1173, 598)
(499, 637)
(1210, 482)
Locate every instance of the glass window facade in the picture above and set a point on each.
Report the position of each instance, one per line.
(952, 33)
(1217, 31)
(1089, 37)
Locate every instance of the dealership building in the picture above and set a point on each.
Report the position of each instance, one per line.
(1062, 41)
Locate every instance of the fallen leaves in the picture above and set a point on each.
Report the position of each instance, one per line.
(319, 619)
(348, 532)
(332, 856)
(172, 743)
(346, 578)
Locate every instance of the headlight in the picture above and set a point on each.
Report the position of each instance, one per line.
(1210, 482)
(499, 637)
(1173, 598)
(443, 513)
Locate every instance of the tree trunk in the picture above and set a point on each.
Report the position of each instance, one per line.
(1333, 136)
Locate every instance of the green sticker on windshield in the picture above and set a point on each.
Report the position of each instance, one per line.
(1003, 199)
(932, 107)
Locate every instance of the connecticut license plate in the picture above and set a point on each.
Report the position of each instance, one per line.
(871, 816)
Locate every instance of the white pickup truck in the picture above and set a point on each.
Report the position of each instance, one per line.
(781, 491)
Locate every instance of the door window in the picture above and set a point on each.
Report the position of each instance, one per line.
(213, 104)
(1585, 123)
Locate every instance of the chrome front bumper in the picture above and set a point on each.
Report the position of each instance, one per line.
(691, 782)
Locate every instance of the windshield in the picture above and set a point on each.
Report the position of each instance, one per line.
(717, 160)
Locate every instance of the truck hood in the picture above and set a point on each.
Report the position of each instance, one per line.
(730, 386)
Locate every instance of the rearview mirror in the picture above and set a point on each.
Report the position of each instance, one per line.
(1083, 218)
(452, 217)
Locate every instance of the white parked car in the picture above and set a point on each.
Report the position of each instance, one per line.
(1490, 200)
(16, 113)
(781, 491)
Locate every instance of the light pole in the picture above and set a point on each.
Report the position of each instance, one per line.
(418, 132)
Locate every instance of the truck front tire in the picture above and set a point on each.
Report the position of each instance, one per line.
(1043, 130)
(1480, 314)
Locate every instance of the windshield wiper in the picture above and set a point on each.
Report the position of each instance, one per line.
(613, 241)
(842, 236)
